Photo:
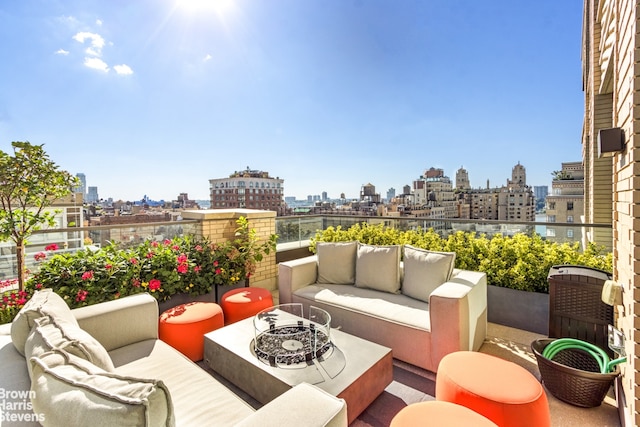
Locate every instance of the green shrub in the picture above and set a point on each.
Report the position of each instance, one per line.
(519, 262)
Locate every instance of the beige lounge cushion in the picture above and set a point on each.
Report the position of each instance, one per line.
(425, 270)
(337, 262)
(43, 302)
(378, 267)
(48, 334)
(68, 391)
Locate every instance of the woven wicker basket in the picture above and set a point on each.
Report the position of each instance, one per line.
(573, 375)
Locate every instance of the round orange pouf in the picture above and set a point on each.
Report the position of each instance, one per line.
(500, 390)
(183, 326)
(438, 414)
(241, 303)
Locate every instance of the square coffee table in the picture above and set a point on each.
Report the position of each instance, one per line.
(356, 370)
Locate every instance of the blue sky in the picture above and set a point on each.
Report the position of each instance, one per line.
(156, 97)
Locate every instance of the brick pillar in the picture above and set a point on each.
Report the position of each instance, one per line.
(219, 225)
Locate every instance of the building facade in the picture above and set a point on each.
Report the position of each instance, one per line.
(565, 204)
(611, 83)
(250, 189)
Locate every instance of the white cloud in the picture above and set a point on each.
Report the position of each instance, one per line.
(99, 22)
(208, 57)
(62, 52)
(123, 69)
(96, 40)
(96, 64)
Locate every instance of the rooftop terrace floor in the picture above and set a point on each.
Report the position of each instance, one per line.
(412, 384)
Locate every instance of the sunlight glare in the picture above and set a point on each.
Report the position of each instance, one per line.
(219, 7)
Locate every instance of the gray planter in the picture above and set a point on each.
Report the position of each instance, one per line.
(528, 311)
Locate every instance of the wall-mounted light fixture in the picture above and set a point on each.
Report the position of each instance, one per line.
(610, 141)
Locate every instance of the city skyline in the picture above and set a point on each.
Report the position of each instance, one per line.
(313, 194)
(157, 97)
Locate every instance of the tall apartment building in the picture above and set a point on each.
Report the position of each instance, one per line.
(610, 150)
(516, 201)
(565, 204)
(434, 190)
(462, 179)
(250, 189)
(512, 202)
(92, 195)
(82, 187)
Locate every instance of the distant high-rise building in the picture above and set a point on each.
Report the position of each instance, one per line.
(250, 189)
(512, 202)
(565, 204)
(82, 186)
(540, 192)
(462, 179)
(324, 196)
(391, 193)
(92, 195)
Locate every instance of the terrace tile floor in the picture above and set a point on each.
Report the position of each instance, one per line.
(412, 384)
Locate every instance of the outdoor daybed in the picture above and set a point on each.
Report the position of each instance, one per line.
(420, 307)
(103, 365)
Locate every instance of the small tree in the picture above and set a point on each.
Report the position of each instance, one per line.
(29, 183)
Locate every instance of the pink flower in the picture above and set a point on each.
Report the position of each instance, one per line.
(154, 284)
(154, 244)
(87, 275)
(166, 242)
(51, 247)
(215, 263)
(38, 285)
(40, 256)
(175, 247)
(133, 261)
(198, 248)
(81, 295)
(108, 266)
(197, 268)
(149, 255)
(183, 268)
(218, 271)
(135, 283)
(182, 258)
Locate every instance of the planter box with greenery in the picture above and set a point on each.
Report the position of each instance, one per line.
(184, 265)
(518, 263)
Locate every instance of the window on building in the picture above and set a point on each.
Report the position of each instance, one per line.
(570, 233)
(569, 206)
(552, 205)
(551, 232)
(569, 218)
(551, 218)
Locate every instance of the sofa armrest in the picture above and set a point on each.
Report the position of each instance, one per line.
(296, 274)
(303, 405)
(120, 322)
(458, 314)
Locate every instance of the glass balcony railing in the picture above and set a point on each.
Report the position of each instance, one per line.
(296, 231)
(76, 238)
(293, 232)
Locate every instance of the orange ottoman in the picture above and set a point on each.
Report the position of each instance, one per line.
(438, 414)
(500, 390)
(183, 326)
(241, 303)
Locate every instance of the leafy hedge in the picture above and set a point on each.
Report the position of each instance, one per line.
(519, 262)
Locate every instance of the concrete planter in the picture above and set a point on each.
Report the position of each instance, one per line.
(524, 310)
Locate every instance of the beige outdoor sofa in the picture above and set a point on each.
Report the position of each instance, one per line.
(420, 307)
(113, 370)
